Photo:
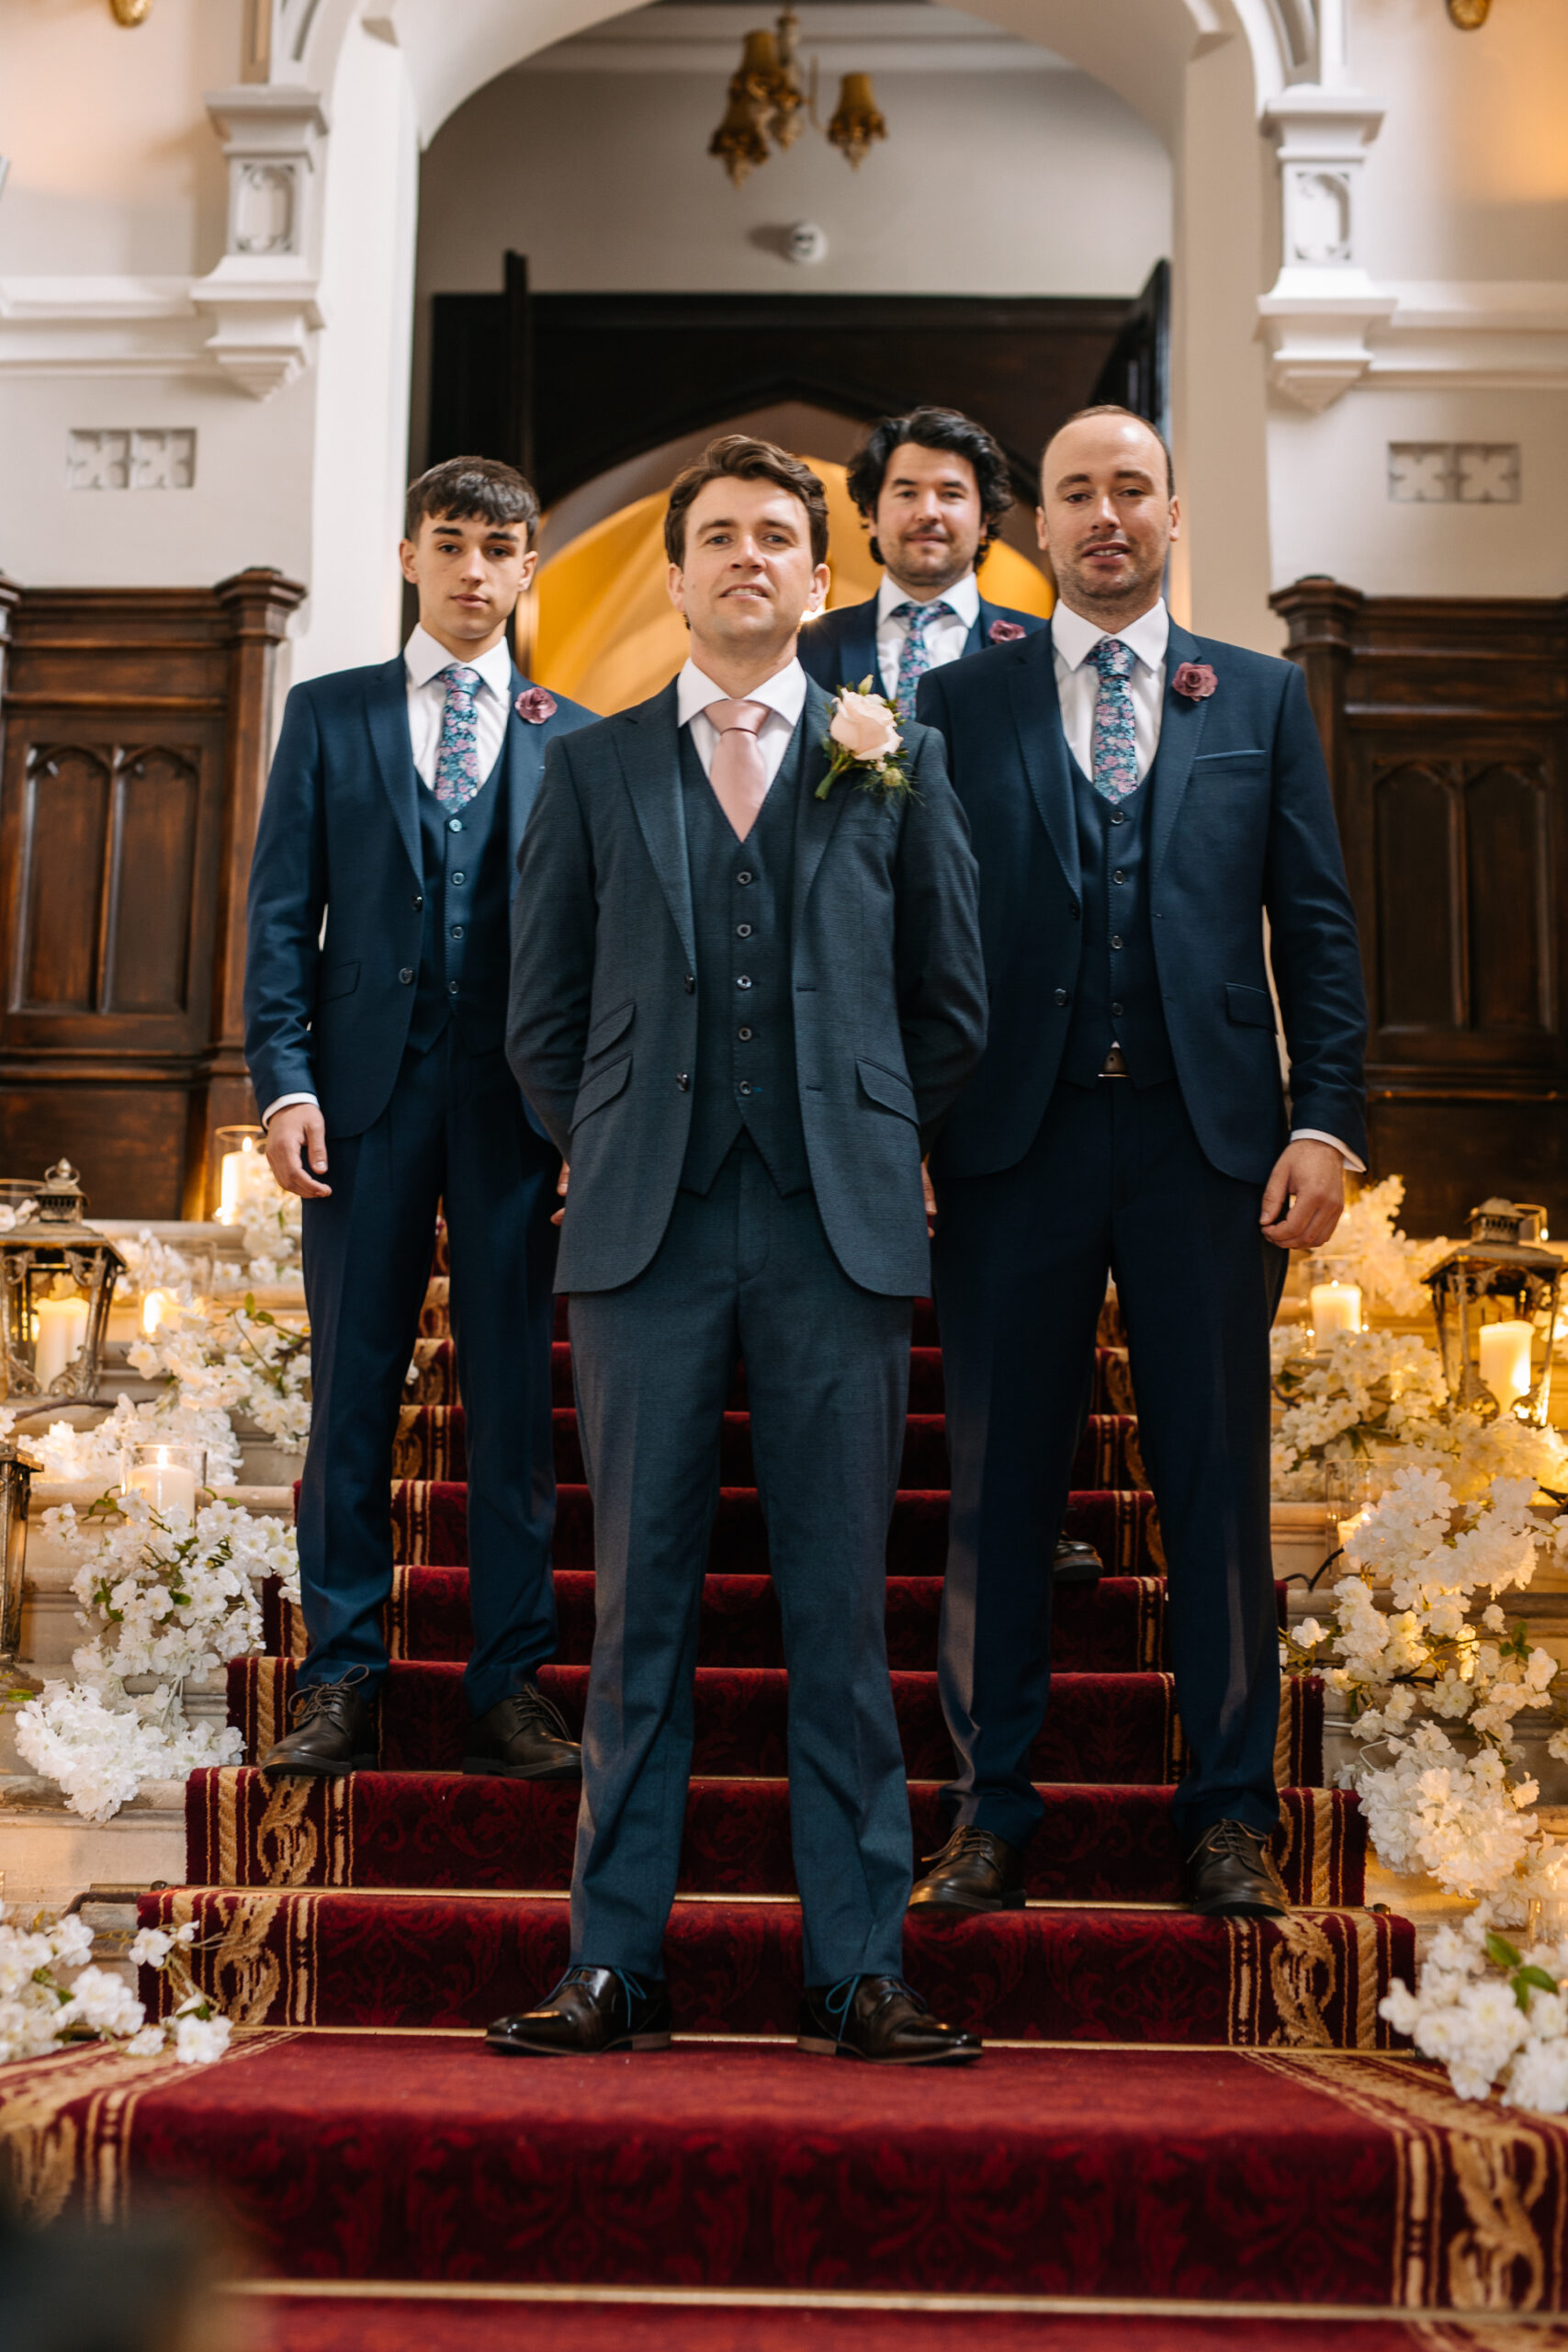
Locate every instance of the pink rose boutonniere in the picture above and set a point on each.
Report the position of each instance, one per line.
(535, 704)
(1195, 680)
(863, 735)
(1004, 632)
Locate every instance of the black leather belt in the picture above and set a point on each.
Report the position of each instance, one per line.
(1114, 1065)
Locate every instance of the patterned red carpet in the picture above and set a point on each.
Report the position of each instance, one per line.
(1188, 2113)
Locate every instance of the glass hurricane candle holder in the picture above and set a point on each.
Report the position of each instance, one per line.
(169, 1475)
(243, 1177)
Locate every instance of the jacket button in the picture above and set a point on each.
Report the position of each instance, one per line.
(1115, 939)
(744, 875)
(744, 1035)
(451, 987)
(691, 983)
(744, 1086)
(1061, 996)
(456, 930)
(418, 903)
(683, 1079)
(405, 976)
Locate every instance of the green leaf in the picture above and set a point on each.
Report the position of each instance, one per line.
(1542, 1982)
(1500, 1951)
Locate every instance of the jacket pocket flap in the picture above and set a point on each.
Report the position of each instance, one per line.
(611, 1025)
(1254, 1008)
(602, 1087)
(885, 1086)
(336, 980)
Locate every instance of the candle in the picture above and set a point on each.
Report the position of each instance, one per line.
(1335, 1307)
(61, 1329)
(1506, 1360)
(243, 1178)
(168, 1484)
(155, 1307)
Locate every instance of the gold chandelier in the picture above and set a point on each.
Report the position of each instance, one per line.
(768, 104)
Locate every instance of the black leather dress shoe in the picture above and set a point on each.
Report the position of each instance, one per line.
(333, 1731)
(975, 1870)
(522, 1738)
(1075, 1562)
(592, 2009)
(1230, 1875)
(880, 2018)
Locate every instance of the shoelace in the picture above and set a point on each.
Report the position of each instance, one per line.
(532, 1705)
(1234, 1840)
(961, 1845)
(841, 1996)
(329, 1698)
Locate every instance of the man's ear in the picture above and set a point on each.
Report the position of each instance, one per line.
(407, 555)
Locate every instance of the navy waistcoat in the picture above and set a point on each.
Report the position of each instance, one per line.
(1118, 998)
(745, 1076)
(465, 956)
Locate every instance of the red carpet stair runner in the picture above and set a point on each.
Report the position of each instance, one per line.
(1180, 2117)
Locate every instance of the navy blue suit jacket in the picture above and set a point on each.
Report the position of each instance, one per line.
(339, 839)
(840, 648)
(1241, 825)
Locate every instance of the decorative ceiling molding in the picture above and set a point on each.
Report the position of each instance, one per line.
(901, 36)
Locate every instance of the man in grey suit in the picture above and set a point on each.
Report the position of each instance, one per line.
(741, 1007)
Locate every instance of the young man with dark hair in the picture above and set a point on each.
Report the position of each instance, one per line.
(376, 990)
(740, 1008)
(934, 486)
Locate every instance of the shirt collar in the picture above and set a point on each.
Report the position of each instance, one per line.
(963, 597)
(785, 692)
(424, 659)
(1075, 638)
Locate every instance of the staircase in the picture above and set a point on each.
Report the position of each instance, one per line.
(1179, 2122)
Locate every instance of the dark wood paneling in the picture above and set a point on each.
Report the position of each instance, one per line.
(1446, 726)
(137, 725)
(581, 382)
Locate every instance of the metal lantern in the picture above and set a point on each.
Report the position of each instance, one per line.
(15, 1485)
(57, 1278)
(1496, 1301)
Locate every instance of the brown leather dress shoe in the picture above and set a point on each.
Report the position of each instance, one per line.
(1075, 1562)
(523, 1737)
(592, 2009)
(333, 1732)
(975, 1870)
(1231, 1875)
(879, 2019)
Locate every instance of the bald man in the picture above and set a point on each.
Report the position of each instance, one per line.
(1140, 800)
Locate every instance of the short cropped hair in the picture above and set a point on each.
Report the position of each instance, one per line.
(932, 428)
(1114, 408)
(460, 488)
(737, 457)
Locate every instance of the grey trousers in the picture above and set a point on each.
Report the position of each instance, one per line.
(741, 1272)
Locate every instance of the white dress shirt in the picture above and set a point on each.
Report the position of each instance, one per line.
(423, 660)
(945, 640)
(784, 695)
(1073, 640)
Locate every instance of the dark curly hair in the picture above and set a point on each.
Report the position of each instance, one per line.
(471, 489)
(932, 428)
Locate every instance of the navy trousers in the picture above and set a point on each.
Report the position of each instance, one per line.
(1114, 1181)
(453, 1132)
(742, 1274)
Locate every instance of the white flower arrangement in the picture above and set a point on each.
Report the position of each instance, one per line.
(169, 1598)
(1493, 2015)
(1367, 1249)
(84, 1455)
(39, 2012)
(227, 1359)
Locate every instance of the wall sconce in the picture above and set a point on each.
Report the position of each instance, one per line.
(130, 12)
(1469, 15)
(768, 104)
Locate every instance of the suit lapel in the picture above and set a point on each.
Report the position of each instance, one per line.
(814, 819)
(523, 749)
(1037, 714)
(859, 656)
(387, 710)
(1180, 731)
(650, 762)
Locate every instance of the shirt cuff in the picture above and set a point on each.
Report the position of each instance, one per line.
(283, 1103)
(1298, 1135)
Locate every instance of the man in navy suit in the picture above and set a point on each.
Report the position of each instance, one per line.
(1141, 800)
(376, 1000)
(933, 487)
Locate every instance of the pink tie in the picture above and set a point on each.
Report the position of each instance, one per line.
(739, 778)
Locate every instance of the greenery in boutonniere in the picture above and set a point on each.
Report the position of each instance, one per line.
(862, 740)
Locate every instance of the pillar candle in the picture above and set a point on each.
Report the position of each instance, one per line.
(62, 1328)
(1506, 1360)
(167, 1485)
(243, 1178)
(1335, 1307)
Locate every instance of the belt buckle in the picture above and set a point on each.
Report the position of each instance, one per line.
(1114, 1065)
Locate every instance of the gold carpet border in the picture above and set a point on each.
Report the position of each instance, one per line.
(1509, 2174)
(419, 2290)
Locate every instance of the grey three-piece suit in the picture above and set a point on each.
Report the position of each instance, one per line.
(742, 1048)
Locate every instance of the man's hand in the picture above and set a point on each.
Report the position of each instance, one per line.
(562, 1180)
(1304, 1197)
(297, 1150)
(929, 1191)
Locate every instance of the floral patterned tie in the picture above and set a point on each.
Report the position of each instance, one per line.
(1114, 741)
(914, 660)
(458, 754)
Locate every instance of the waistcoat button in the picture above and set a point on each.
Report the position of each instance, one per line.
(405, 976)
(742, 982)
(1061, 996)
(461, 878)
(683, 1079)
(742, 931)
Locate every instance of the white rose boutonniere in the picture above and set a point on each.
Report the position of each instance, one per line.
(864, 738)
